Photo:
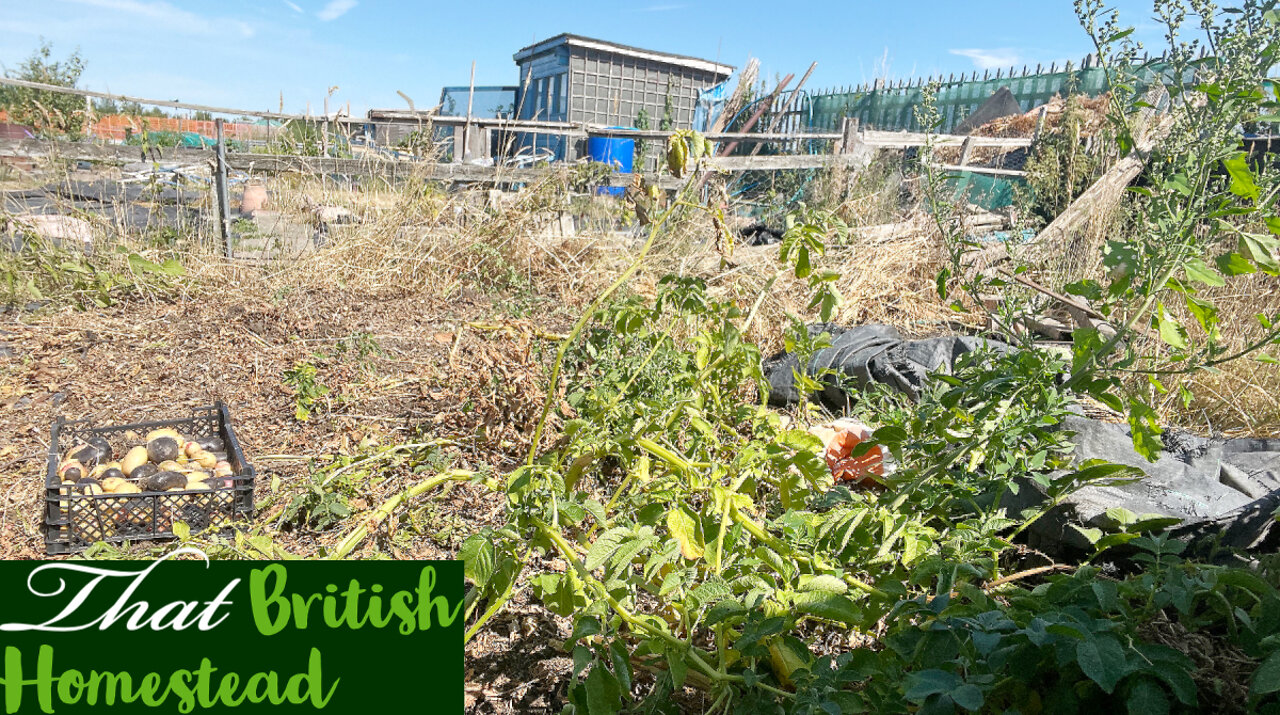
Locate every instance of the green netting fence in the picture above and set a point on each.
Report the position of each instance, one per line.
(892, 107)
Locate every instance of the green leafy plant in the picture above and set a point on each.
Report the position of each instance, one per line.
(42, 270)
(320, 504)
(1060, 167)
(1079, 641)
(308, 390)
(1202, 216)
(705, 541)
(48, 112)
(808, 233)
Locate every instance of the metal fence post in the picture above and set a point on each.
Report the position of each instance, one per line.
(224, 206)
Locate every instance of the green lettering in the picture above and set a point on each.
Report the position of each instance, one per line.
(180, 685)
(44, 678)
(376, 615)
(427, 584)
(302, 609)
(149, 689)
(262, 604)
(403, 611)
(263, 686)
(12, 681)
(113, 683)
(68, 680)
(351, 612)
(204, 677)
(14, 684)
(314, 681)
(227, 690)
(331, 607)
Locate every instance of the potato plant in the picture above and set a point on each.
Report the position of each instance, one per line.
(696, 539)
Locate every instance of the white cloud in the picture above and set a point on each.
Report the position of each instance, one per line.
(335, 9)
(163, 16)
(991, 59)
(293, 6)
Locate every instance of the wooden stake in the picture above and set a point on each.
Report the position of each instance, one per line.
(1044, 111)
(466, 130)
(786, 107)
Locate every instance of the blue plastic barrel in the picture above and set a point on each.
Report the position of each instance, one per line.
(618, 152)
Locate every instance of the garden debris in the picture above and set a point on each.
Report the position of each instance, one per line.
(999, 105)
(1214, 490)
(865, 355)
(1095, 202)
(1023, 124)
(839, 438)
(1056, 321)
(333, 214)
(253, 199)
(65, 231)
(1224, 492)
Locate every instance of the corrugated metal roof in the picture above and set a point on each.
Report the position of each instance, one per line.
(591, 43)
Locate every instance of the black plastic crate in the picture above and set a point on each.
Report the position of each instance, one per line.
(75, 521)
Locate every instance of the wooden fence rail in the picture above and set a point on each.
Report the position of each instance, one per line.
(379, 165)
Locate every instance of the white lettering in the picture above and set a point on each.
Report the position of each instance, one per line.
(181, 614)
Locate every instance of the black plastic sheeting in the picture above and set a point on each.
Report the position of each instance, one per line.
(1224, 492)
(864, 355)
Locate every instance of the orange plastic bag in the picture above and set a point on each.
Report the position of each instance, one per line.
(863, 470)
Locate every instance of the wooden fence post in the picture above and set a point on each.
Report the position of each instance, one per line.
(1044, 111)
(848, 141)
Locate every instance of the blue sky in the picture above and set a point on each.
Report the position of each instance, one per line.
(246, 54)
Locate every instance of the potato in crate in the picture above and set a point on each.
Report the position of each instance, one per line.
(132, 482)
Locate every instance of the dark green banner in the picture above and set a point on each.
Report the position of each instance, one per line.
(188, 636)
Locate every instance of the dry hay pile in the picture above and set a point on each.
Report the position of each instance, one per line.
(1024, 125)
(887, 275)
(427, 241)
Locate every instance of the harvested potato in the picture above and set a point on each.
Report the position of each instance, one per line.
(134, 459)
(89, 485)
(164, 481)
(171, 466)
(127, 488)
(142, 471)
(206, 459)
(163, 449)
(72, 470)
(211, 444)
(91, 451)
(112, 484)
(165, 432)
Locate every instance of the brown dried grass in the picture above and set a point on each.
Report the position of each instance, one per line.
(1239, 397)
